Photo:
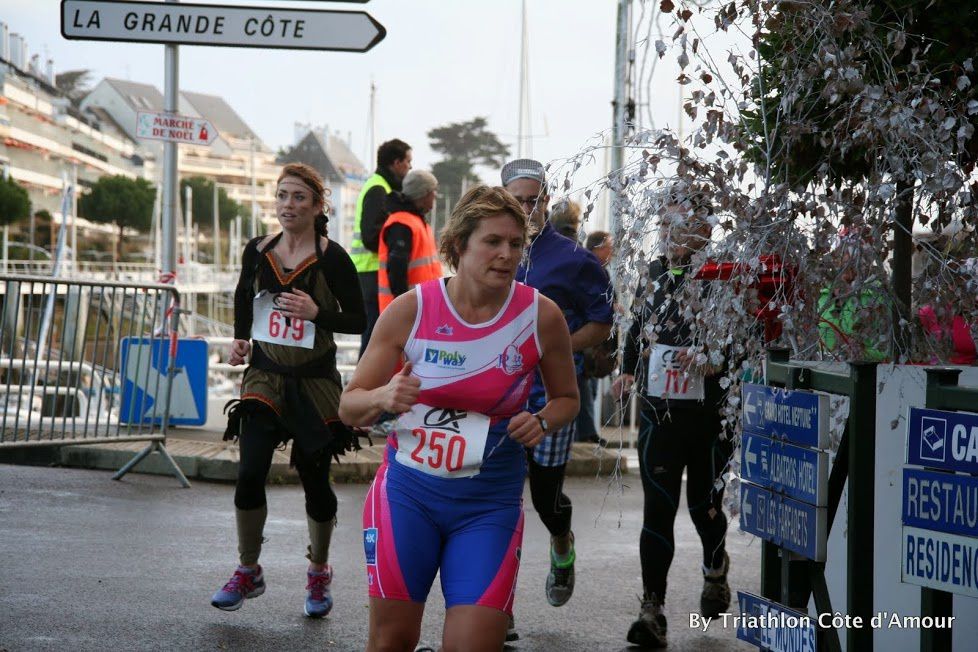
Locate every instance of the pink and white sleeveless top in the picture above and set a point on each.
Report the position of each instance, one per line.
(485, 368)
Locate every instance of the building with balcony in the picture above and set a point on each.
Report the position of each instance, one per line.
(46, 140)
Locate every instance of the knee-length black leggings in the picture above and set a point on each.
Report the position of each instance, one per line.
(682, 438)
(547, 494)
(258, 440)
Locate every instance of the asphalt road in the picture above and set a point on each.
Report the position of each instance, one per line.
(91, 564)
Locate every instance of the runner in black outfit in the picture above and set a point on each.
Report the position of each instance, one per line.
(296, 289)
(679, 428)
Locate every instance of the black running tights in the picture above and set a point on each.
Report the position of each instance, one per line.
(669, 442)
(546, 491)
(258, 441)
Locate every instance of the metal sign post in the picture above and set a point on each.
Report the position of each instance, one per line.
(171, 91)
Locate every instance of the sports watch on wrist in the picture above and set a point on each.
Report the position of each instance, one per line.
(543, 422)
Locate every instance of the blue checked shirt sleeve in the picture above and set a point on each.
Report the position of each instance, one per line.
(555, 448)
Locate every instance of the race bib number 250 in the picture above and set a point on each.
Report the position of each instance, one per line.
(442, 442)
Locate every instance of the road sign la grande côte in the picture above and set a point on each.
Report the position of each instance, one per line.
(219, 25)
(174, 128)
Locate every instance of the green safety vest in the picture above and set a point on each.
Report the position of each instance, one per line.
(364, 259)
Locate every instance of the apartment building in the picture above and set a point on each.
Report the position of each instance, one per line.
(45, 139)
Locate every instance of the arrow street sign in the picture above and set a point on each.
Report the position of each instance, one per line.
(144, 363)
(196, 24)
(785, 522)
(798, 416)
(175, 128)
(799, 473)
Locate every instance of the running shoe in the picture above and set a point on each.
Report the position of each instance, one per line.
(649, 631)
(318, 598)
(715, 598)
(245, 583)
(560, 580)
(511, 633)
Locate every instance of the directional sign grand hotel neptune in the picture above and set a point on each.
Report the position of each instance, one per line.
(799, 417)
(198, 24)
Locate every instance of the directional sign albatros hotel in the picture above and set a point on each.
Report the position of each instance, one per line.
(798, 416)
(799, 473)
(175, 128)
(196, 24)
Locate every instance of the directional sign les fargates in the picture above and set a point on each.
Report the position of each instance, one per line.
(219, 25)
(785, 522)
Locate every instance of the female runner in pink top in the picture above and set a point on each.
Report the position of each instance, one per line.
(448, 496)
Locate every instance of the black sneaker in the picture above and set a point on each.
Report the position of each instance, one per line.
(511, 633)
(715, 598)
(649, 631)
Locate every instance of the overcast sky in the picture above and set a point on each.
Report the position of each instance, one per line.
(442, 61)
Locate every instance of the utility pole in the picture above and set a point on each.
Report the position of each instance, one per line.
(620, 105)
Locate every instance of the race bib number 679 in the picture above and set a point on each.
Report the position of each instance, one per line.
(268, 324)
(442, 442)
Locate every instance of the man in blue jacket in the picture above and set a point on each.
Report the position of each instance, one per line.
(573, 278)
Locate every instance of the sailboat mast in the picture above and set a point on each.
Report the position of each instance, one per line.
(524, 108)
(372, 128)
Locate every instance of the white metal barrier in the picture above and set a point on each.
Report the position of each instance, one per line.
(67, 374)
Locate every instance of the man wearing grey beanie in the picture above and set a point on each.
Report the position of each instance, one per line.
(408, 252)
(572, 277)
